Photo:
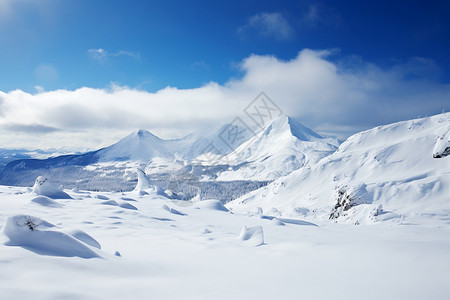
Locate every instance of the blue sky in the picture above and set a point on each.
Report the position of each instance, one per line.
(392, 55)
(188, 43)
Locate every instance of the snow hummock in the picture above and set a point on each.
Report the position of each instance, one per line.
(46, 201)
(442, 146)
(173, 210)
(153, 249)
(43, 187)
(210, 204)
(253, 236)
(84, 237)
(40, 237)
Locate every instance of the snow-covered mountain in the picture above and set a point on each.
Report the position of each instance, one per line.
(9, 155)
(113, 168)
(281, 147)
(392, 166)
(141, 145)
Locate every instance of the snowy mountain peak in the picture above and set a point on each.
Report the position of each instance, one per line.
(141, 145)
(142, 133)
(374, 173)
(280, 148)
(287, 124)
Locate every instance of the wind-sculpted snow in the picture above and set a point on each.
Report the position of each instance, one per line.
(176, 249)
(143, 182)
(253, 236)
(43, 187)
(442, 146)
(41, 237)
(46, 201)
(84, 237)
(211, 205)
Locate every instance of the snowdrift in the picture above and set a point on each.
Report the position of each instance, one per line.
(42, 238)
(252, 236)
(43, 187)
(211, 205)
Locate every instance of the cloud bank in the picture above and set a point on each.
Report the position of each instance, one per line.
(329, 93)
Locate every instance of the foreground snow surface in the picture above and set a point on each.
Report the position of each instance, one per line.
(178, 250)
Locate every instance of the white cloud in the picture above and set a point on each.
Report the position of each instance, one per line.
(98, 54)
(272, 25)
(102, 55)
(329, 94)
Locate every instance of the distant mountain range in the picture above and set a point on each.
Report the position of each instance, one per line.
(284, 169)
(9, 155)
(281, 147)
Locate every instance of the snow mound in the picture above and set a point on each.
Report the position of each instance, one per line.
(43, 187)
(128, 199)
(252, 236)
(37, 236)
(296, 222)
(85, 238)
(442, 146)
(173, 211)
(111, 202)
(127, 206)
(277, 222)
(46, 201)
(284, 221)
(210, 204)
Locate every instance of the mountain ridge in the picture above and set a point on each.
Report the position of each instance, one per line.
(389, 172)
(159, 156)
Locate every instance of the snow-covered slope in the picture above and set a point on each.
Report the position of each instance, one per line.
(124, 245)
(391, 166)
(281, 147)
